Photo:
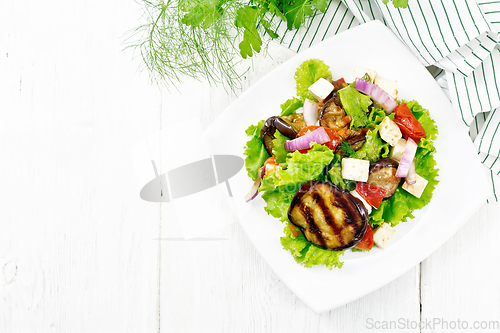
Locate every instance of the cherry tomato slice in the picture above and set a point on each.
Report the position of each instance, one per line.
(295, 231)
(339, 83)
(334, 137)
(409, 125)
(367, 242)
(372, 194)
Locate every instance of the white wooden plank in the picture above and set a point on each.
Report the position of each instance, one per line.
(460, 280)
(77, 252)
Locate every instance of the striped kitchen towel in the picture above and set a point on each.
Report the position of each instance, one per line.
(458, 40)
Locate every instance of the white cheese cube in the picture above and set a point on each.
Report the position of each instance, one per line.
(389, 86)
(355, 169)
(382, 235)
(389, 131)
(361, 71)
(321, 89)
(418, 188)
(398, 149)
(366, 204)
(271, 168)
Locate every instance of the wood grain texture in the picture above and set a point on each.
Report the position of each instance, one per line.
(80, 252)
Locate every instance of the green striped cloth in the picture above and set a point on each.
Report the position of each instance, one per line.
(458, 41)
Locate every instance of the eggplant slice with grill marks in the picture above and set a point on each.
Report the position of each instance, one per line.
(328, 216)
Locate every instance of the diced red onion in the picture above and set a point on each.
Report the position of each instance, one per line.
(255, 188)
(378, 94)
(310, 112)
(318, 135)
(412, 175)
(407, 158)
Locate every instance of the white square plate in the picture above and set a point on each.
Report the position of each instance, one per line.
(463, 187)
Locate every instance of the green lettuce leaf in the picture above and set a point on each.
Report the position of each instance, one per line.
(374, 147)
(290, 106)
(303, 167)
(335, 172)
(307, 73)
(356, 105)
(278, 201)
(308, 254)
(279, 147)
(375, 117)
(255, 152)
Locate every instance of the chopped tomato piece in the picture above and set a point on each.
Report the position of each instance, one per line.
(271, 166)
(367, 242)
(334, 137)
(408, 124)
(339, 83)
(372, 194)
(295, 231)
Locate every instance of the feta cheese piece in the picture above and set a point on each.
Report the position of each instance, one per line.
(389, 131)
(366, 204)
(389, 86)
(271, 168)
(398, 149)
(382, 235)
(418, 188)
(355, 169)
(321, 89)
(361, 71)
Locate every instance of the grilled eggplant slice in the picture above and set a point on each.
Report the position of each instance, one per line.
(333, 116)
(295, 120)
(269, 128)
(383, 174)
(328, 216)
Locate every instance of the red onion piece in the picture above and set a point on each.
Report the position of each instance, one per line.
(378, 94)
(412, 175)
(407, 158)
(255, 188)
(318, 135)
(310, 112)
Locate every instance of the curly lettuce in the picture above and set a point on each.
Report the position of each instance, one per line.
(309, 254)
(307, 73)
(356, 105)
(374, 147)
(255, 152)
(303, 167)
(335, 172)
(279, 147)
(290, 106)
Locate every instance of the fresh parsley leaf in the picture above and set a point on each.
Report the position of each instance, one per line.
(246, 18)
(397, 3)
(296, 12)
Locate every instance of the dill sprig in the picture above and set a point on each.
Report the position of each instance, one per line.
(346, 147)
(192, 38)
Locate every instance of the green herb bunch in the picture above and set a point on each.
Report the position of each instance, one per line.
(208, 39)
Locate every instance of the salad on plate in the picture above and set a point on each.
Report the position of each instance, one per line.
(342, 163)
